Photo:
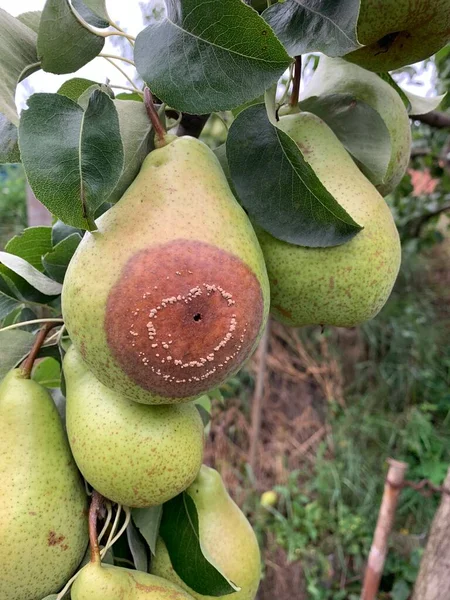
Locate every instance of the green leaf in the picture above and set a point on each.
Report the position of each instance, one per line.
(61, 231)
(138, 548)
(73, 88)
(35, 278)
(279, 189)
(14, 347)
(148, 520)
(388, 79)
(9, 142)
(92, 11)
(31, 245)
(63, 44)
(31, 19)
(83, 99)
(131, 96)
(201, 59)
(17, 53)
(22, 315)
(48, 373)
(401, 590)
(135, 131)
(57, 260)
(359, 127)
(180, 532)
(327, 26)
(8, 301)
(79, 158)
(422, 106)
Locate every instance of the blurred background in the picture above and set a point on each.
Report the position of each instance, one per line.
(336, 403)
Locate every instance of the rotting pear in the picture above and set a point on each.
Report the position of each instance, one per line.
(43, 510)
(225, 534)
(134, 454)
(396, 33)
(169, 297)
(337, 76)
(340, 285)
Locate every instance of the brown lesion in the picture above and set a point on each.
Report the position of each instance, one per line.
(182, 316)
(54, 539)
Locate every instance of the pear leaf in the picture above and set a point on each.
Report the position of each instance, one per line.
(359, 127)
(31, 244)
(421, 105)
(20, 315)
(61, 231)
(180, 531)
(57, 260)
(48, 373)
(137, 547)
(64, 45)
(15, 344)
(9, 142)
(31, 19)
(327, 26)
(148, 520)
(391, 81)
(38, 280)
(74, 165)
(17, 54)
(200, 59)
(278, 187)
(73, 88)
(8, 300)
(92, 11)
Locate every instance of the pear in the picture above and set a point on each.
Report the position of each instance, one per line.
(225, 535)
(337, 76)
(340, 285)
(170, 295)
(43, 524)
(134, 454)
(396, 33)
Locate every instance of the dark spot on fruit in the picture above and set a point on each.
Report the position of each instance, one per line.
(282, 311)
(182, 316)
(55, 540)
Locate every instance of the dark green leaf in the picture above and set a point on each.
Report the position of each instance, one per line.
(79, 157)
(17, 53)
(179, 530)
(35, 278)
(24, 314)
(201, 59)
(61, 231)
(31, 245)
(359, 127)
(147, 520)
(279, 189)
(138, 548)
(9, 145)
(31, 19)
(83, 99)
(63, 44)
(327, 26)
(48, 373)
(75, 87)
(8, 300)
(14, 347)
(57, 260)
(90, 11)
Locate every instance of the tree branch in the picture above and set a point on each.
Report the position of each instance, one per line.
(435, 118)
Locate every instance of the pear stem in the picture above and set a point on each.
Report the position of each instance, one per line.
(96, 504)
(296, 84)
(160, 132)
(27, 365)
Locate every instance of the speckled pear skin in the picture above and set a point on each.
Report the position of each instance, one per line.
(170, 296)
(371, 89)
(341, 285)
(400, 32)
(134, 454)
(43, 511)
(98, 582)
(225, 535)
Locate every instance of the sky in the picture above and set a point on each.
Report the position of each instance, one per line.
(100, 70)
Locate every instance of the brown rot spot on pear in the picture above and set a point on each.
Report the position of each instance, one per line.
(182, 316)
(55, 540)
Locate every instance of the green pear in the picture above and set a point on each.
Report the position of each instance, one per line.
(225, 535)
(337, 76)
(43, 524)
(396, 33)
(340, 285)
(135, 454)
(98, 582)
(170, 295)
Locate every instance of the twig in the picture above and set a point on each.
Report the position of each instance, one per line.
(128, 89)
(32, 322)
(123, 73)
(296, 83)
(378, 551)
(98, 32)
(258, 398)
(435, 118)
(27, 365)
(118, 57)
(158, 127)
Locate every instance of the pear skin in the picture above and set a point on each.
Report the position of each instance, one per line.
(43, 522)
(371, 89)
(341, 285)
(134, 454)
(396, 33)
(98, 582)
(225, 535)
(170, 296)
